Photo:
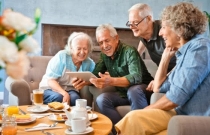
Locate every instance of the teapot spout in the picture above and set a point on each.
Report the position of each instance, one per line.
(68, 114)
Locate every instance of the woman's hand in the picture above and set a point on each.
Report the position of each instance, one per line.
(169, 52)
(66, 97)
(78, 84)
(150, 86)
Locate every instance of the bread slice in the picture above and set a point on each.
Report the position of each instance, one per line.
(56, 105)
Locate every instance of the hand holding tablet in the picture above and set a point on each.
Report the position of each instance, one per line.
(86, 75)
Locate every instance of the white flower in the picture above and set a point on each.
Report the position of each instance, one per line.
(29, 44)
(19, 68)
(8, 50)
(17, 21)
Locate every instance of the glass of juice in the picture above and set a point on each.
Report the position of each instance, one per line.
(9, 126)
(10, 110)
(37, 97)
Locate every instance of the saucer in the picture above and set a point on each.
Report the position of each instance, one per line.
(34, 109)
(92, 117)
(87, 130)
(68, 123)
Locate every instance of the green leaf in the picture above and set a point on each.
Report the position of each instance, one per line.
(18, 39)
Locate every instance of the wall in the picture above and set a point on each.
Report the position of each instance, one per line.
(89, 12)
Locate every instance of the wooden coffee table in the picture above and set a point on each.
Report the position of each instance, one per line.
(102, 125)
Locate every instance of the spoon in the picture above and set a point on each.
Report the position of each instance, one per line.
(54, 124)
(47, 133)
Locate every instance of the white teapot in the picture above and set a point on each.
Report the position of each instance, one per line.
(76, 112)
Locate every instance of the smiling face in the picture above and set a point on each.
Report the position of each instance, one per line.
(142, 27)
(170, 37)
(107, 43)
(80, 49)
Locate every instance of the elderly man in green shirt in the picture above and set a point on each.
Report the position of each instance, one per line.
(120, 65)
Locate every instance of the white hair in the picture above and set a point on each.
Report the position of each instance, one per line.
(144, 10)
(104, 27)
(78, 36)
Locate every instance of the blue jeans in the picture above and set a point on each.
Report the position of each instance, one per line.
(109, 100)
(52, 96)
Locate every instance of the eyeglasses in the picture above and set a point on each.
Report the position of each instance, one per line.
(128, 24)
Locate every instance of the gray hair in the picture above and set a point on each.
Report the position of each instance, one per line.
(185, 19)
(108, 27)
(78, 36)
(144, 10)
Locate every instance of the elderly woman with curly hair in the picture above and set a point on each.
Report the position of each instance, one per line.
(56, 84)
(187, 85)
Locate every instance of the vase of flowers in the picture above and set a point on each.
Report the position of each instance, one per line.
(16, 42)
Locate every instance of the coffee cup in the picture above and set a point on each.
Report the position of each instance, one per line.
(81, 103)
(78, 124)
(37, 98)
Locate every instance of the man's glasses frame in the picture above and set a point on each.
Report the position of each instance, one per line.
(135, 24)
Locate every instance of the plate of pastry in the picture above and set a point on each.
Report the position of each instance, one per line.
(58, 117)
(57, 106)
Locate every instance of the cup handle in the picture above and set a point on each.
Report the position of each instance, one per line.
(91, 113)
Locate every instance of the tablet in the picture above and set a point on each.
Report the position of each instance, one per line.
(86, 75)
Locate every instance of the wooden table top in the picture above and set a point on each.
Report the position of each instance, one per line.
(102, 125)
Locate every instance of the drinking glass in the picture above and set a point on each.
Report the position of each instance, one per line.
(9, 126)
(37, 97)
(12, 109)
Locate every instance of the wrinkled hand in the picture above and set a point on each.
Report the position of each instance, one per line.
(78, 84)
(66, 98)
(103, 81)
(150, 86)
(169, 52)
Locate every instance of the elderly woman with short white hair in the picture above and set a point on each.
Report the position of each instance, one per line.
(56, 84)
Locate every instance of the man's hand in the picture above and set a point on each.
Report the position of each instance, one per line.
(78, 84)
(150, 86)
(103, 81)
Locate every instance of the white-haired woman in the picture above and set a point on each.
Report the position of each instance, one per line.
(75, 57)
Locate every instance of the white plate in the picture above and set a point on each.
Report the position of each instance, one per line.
(65, 107)
(68, 123)
(26, 122)
(53, 117)
(88, 130)
(92, 117)
(34, 109)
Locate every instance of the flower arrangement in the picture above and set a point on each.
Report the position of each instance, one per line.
(16, 42)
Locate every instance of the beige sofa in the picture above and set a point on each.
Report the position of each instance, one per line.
(19, 94)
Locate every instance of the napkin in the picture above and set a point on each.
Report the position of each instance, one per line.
(42, 126)
(40, 115)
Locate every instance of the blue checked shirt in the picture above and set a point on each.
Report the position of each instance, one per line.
(188, 85)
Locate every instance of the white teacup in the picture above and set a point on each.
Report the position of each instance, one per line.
(81, 103)
(78, 124)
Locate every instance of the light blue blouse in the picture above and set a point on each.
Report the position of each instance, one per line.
(61, 63)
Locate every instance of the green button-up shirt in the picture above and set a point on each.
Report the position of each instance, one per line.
(126, 63)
